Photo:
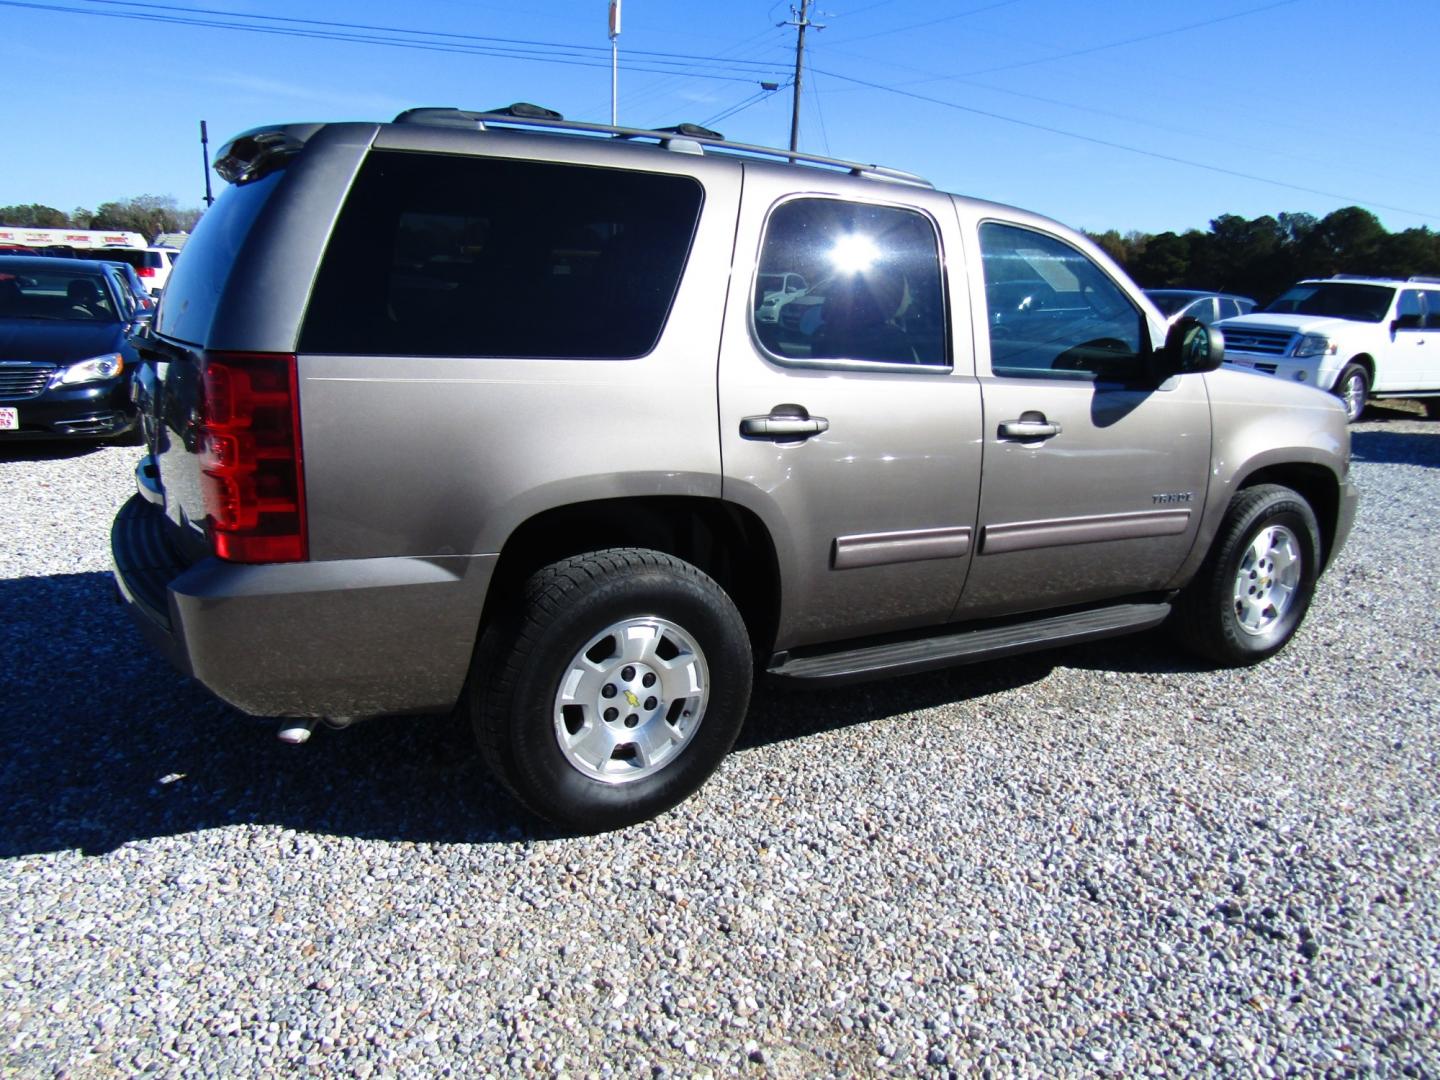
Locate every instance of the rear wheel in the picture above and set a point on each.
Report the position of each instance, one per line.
(1352, 387)
(1254, 588)
(613, 690)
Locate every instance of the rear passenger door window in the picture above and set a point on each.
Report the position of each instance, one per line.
(455, 256)
(1409, 314)
(1052, 313)
(873, 289)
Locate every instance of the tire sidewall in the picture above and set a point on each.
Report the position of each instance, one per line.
(1349, 372)
(693, 603)
(1295, 516)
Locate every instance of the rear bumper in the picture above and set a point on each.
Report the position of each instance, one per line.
(351, 637)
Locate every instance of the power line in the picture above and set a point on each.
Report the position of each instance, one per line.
(333, 24)
(738, 107)
(820, 113)
(1134, 40)
(1121, 146)
(573, 55)
(1212, 135)
(920, 25)
(666, 84)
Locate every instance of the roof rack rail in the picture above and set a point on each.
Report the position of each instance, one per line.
(1424, 279)
(683, 138)
(1359, 277)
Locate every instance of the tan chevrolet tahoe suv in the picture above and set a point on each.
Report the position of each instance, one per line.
(477, 411)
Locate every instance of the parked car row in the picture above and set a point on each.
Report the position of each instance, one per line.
(1360, 338)
(152, 265)
(66, 359)
(1208, 307)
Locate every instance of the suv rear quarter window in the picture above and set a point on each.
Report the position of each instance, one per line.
(194, 290)
(455, 256)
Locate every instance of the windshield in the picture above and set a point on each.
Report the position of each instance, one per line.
(52, 294)
(1339, 300)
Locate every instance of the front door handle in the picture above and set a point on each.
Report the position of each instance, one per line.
(784, 422)
(1030, 426)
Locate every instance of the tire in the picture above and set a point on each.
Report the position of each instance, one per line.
(613, 688)
(1254, 587)
(1352, 388)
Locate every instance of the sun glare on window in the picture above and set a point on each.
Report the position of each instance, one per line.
(854, 254)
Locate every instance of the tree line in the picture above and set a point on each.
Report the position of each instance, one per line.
(1260, 257)
(1263, 256)
(148, 215)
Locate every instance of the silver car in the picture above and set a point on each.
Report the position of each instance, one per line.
(481, 411)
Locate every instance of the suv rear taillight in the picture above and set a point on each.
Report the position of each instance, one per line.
(250, 461)
(145, 271)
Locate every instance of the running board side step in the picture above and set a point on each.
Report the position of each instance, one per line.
(969, 646)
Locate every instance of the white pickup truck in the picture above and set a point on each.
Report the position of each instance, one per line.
(1359, 337)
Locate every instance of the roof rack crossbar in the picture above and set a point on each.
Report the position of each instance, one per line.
(684, 139)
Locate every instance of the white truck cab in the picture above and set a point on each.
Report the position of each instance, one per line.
(1359, 337)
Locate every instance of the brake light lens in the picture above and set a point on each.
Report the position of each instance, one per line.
(250, 460)
(145, 271)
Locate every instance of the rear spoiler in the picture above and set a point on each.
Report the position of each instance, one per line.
(252, 154)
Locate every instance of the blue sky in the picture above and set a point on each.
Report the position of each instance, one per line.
(1126, 114)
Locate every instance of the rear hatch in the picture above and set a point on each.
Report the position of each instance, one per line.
(219, 393)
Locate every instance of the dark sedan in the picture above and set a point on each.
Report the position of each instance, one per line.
(65, 359)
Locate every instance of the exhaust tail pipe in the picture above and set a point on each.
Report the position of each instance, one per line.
(296, 732)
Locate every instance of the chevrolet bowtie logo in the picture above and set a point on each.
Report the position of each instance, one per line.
(632, 699)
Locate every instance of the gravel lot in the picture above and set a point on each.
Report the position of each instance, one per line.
(1105, 860)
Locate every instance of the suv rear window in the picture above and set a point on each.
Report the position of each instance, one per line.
(453, 256)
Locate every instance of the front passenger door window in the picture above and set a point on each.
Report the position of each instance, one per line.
(1053, 313)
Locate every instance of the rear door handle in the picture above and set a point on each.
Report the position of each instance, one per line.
(784, 422)
(1030, 426)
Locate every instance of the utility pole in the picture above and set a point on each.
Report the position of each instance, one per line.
(205, 156)
(614, 63)
(803, 23)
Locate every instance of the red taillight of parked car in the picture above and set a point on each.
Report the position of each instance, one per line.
(250, 459)
(145, 271)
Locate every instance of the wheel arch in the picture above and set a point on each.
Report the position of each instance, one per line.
(1366, 361)
(726, 541)
(1317, 485)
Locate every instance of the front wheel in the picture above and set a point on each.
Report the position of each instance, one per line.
(1352, 387)
(613, 690)
(1254, 588)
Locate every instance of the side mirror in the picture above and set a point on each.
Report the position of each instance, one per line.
(1191, 347)
(1405, 322)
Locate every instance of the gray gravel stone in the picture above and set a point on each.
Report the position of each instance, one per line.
(1104, 861)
